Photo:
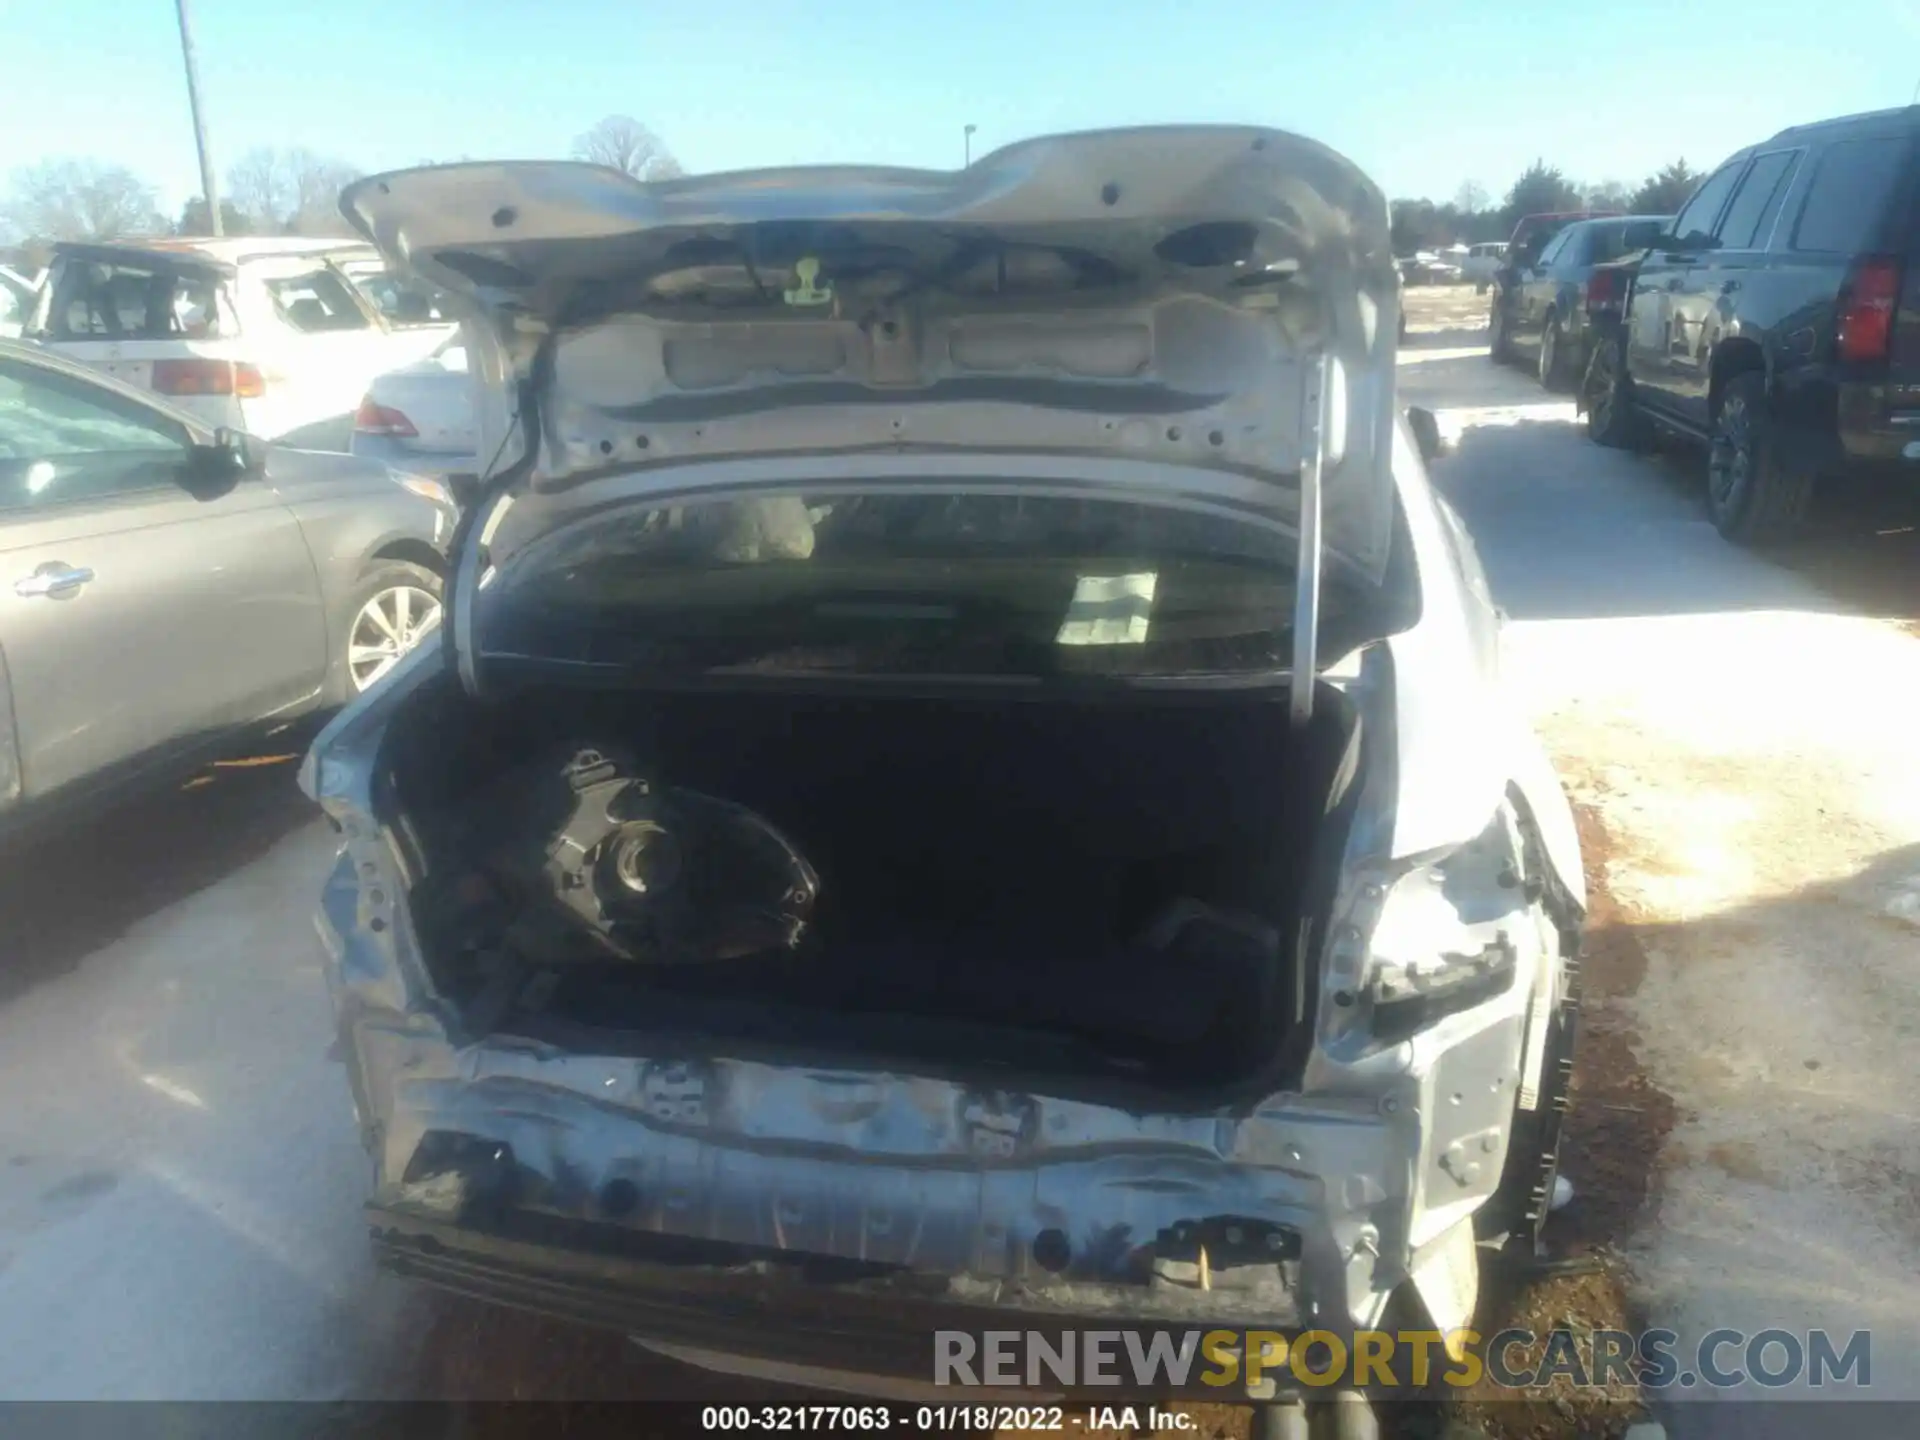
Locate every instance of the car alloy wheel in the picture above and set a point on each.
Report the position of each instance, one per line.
(1606, 394)
(1730, 455)
(389, 625)
(1603, 386)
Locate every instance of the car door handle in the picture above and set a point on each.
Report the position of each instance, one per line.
(54, 579)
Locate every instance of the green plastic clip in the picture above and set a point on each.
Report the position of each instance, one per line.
(807, 292)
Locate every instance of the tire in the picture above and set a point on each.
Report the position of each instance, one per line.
(1499, 345)
(1607, 392)
(1753, 496)
(393, 589)
(1553, 355)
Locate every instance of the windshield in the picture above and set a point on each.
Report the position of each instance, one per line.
(943, 584)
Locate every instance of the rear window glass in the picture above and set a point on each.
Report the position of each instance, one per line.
(923, 584)
(317, 301)
(99, 300)
(1849, 192)
(1531, 239)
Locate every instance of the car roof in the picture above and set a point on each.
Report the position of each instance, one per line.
(224, 255)
(1898, 120)
(38, 355)
(235, 249)
(1620, 220)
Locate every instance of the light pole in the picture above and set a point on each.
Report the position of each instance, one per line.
(966, 140)
(207, 187)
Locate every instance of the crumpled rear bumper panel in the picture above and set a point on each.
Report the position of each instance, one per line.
(615, 1150)
(879, 1327)
(1003, 1199)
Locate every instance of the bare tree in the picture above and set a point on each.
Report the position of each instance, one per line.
(193, 218)
(294, 192)
(624, 143)
(253, 188)
(317, 183)
(1470, 198)
(79, 200)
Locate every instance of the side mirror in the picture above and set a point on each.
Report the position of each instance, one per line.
(1426, 432)
(213, 470)
(245, 453)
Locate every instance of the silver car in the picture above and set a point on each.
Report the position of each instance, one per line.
(167, 586)
(970, 782)
(420, 417)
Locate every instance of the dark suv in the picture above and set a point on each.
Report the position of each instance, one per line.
(1780, 323)
(1540, 307)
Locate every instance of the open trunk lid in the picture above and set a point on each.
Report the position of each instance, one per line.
(1216, 303)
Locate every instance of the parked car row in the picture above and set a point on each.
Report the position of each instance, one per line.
(1539, 308)
(277, 337)
(1778, 323)
(1774, 321)
(169, 584)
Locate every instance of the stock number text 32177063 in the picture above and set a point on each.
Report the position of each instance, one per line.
(905, 1418)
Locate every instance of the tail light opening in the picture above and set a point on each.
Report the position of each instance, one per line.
(373, 418)
(199, 376)
(1867, 305)
(1604, 290)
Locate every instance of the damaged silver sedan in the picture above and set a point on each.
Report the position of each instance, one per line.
(967, 779)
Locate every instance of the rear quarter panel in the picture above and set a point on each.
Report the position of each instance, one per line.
(1461, 740)
(1789, 307)
(350, 511)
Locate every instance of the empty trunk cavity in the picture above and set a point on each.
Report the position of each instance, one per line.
(1090, 889)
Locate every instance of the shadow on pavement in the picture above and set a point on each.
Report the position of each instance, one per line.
(66, 892)
(1874, 569)
(1568, 530)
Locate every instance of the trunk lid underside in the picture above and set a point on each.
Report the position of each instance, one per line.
(1217, 300)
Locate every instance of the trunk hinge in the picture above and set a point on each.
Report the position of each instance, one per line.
(467, 558)
(1306, 585)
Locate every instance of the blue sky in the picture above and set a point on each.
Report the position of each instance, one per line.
(1423, 95)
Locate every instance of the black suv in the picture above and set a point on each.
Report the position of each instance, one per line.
(1780, 322)
(1541, 305)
